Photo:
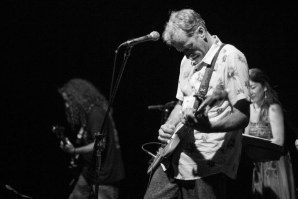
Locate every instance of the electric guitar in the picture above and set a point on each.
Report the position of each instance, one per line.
(59, 133)
(181, 129)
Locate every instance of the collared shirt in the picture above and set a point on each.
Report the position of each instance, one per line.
(201, 154)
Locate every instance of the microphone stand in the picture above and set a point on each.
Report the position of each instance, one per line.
(164, 115)
(100, 141)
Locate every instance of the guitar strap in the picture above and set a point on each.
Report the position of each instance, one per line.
(207, 76)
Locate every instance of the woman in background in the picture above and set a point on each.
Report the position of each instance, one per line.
(271, 179)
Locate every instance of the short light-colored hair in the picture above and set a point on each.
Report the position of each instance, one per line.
(185, 21)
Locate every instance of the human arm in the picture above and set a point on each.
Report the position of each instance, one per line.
(277, 124)
(237, 119)
(166, 130)
(70, 149)
(93, 126)
(247, 128)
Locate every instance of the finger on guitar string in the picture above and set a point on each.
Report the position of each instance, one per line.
(163, 136)
(167, 127)
(165, 132)
(211, 100)
(163, 140)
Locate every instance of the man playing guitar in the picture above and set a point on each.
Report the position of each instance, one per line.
(209, 151)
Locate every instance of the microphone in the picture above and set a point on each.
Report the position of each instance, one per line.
(168, 105)
(153, 107)
(153, 36)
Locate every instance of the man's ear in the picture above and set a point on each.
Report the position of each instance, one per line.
(201, 32)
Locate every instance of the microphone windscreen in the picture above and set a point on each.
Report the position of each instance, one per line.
(154, 35)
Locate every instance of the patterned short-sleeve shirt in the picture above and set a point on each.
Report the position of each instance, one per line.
(201, 154)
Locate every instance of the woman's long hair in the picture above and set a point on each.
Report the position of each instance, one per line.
(81, 97)
(271, 97)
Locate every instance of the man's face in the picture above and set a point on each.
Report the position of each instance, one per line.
(192, 47)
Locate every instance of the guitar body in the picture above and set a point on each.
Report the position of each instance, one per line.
(164, 152)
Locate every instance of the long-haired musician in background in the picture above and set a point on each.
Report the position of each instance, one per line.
(85, 109)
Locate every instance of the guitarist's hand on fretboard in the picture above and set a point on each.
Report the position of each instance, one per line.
(197, 118)
(218, 96)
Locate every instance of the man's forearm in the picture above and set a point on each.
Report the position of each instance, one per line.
(236, 120)
(85, 149)
(175, 116)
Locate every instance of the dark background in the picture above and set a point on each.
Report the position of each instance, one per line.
(48, 42)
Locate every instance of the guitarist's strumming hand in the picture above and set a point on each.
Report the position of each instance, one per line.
(165, 132)
(67, 147)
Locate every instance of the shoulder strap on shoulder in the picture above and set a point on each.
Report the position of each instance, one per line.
(207, 76)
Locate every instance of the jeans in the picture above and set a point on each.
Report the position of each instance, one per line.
(83, 190)
(163, 186)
